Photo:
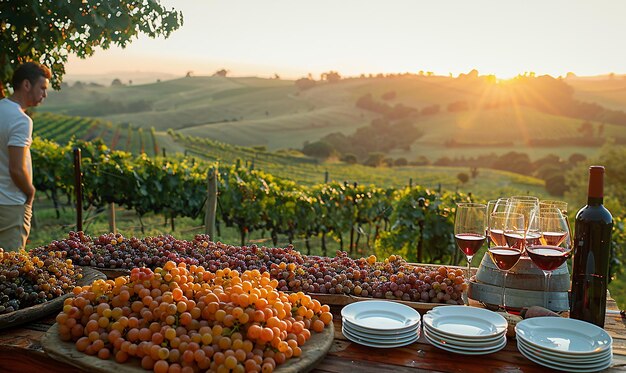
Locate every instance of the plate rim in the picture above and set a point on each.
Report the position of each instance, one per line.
(464, 352)
(466, 343)
(537, 351)
(401, 340)
(348, 313)
(519, 332)
(369, 344)
(571, 369)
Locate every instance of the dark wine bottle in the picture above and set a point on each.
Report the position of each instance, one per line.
(592, 249)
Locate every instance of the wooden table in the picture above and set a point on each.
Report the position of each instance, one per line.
(20, 351)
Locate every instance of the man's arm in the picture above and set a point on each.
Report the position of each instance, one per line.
(19, 172)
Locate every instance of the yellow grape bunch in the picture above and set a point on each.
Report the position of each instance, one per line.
(27, 279)
(183, 318)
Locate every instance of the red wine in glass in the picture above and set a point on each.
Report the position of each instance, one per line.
(469, 243)
(554, 238)
(547, 257)
(497, 237)
(504, 257)
(533, 238)
(514, 239)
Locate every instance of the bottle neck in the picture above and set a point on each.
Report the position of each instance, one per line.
(595, 193)
(595, 201)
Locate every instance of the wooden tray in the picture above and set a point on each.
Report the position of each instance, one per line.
(345, 299)
(112, 273)
(54, 305)
(313, 352)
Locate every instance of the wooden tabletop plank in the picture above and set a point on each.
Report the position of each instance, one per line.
(20, 351)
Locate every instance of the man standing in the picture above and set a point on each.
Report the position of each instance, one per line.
(30, 82)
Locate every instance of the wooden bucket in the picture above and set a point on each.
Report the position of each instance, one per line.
(524, 285)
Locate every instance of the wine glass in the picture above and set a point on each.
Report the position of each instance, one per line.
(553, 205)
(529, 233)
(495, 205)
(470, 226)
(503, 256)
(524, 199)
(553, 248)
(496, 227)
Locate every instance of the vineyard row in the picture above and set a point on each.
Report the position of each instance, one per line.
(414, 222)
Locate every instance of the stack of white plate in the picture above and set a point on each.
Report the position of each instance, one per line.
(565, 344)
(381, 324)
(465, 330)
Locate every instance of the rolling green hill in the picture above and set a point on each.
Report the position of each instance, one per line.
(276, 114)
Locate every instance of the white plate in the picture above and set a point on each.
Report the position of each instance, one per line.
(487, 343)
(368, 343)
(566, 336)
(384, 337)
(380, 341)
(465, 350)
(465, 322)
(571, 368)
(560, 358)
(380, 315)
(391, 332)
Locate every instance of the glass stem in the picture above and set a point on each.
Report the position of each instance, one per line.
(546, 299)
(504, 291)
(469, 276)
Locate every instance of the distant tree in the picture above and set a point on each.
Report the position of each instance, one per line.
(50, 31)
(276, 76)
(514, 162)
(549, 159)
(555, 185)
(305, 83)
(221, 72)
(400, 162)
(421, 161)
(443, 161)
(463, 177)
(375, 159)
(116, 83)
(319, 149)
(576, 158)
(331, 76)
(189, 74)
(349, 158)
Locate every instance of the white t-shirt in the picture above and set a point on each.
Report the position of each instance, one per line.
(16, 129)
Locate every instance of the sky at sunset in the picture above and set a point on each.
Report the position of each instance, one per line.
(294, 37)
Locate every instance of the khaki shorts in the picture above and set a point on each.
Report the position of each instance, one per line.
(14, 226)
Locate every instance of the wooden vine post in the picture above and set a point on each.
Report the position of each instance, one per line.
(112, 226)
(78, 187)
(211, 203)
